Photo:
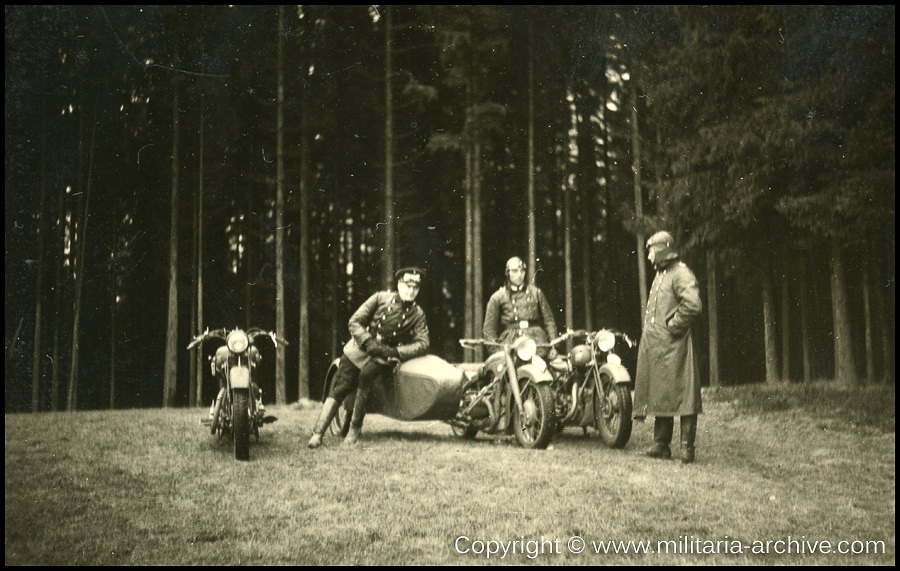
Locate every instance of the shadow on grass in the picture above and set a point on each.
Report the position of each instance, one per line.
(871, 406)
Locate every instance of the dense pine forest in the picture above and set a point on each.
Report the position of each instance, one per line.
(173, 168)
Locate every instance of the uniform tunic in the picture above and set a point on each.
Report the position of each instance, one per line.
(512, 313)
(667, 382)
(393, 322)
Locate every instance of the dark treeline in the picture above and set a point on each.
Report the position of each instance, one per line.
(305, 152)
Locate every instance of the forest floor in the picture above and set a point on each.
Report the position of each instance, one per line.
(784, 475)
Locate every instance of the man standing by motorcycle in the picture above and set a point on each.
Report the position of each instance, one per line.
(518, 309)
(667, 383)
(388, 326)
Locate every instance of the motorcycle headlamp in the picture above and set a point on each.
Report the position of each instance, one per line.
(237, 342)
(605, 340)
(525, 348)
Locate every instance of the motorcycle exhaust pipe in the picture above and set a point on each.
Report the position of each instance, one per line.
(574, 406)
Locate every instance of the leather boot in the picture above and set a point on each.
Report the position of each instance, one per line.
(329, 410)
(688, 435)
(359, 414)
(663, 426)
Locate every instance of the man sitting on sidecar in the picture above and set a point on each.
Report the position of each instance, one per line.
(389, 325)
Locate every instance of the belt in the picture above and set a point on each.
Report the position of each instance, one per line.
(521, 326)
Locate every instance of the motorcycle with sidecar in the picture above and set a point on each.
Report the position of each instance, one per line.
(509, 393)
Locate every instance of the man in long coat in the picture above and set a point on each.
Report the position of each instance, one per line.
(389, 325)
(667, 383)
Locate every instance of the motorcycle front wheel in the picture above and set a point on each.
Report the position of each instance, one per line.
(536, 425)
(612, 411)
(241, 424)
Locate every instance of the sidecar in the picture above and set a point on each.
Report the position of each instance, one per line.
(424, 388)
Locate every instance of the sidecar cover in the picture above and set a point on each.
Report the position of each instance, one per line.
(427, 388)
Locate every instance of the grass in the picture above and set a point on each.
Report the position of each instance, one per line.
(147, 487)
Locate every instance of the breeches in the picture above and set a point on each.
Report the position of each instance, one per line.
(349, 377)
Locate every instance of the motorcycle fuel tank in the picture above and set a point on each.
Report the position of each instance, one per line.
(427, 388)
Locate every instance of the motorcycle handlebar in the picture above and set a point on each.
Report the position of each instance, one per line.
(471, 342)
(214, 334)
(255, 332)
(590, 334)
(222, 334)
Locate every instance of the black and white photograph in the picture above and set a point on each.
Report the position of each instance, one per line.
(450, 285)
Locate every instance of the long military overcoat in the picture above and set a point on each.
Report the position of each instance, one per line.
(667, 382)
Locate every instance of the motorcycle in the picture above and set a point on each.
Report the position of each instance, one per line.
(238, 408)
(508, 392)
(591, 386)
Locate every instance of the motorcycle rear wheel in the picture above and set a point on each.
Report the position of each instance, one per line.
(241, 423)
(539, 432)
(612, 412)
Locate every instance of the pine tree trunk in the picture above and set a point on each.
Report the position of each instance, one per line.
(387, 264)
(638, 205)
(785, 330)
(584, 186)
(72, 393)
(39, 287)
(870, 335)
(532, 225)
(303, 384)
(280, 379)
(887, 347)
(805, 285)
(469, 303)
(713, 311)
(197, 398)
(771, 347)
(170, 374)
(844, 363)
(113, 305)
(58, 287)
(477, 271)
(567, 261)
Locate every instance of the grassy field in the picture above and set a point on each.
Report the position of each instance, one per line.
(778, 470)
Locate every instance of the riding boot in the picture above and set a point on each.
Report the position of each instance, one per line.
(329, 410)
(359, 414)
(688, 435)
(663, 427)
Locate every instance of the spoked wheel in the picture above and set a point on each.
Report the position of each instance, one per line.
(536, 425)
(612, 411)
(340, 425)
(241, 423)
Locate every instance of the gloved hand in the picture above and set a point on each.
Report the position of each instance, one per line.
(382, 352)
(372, 345)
